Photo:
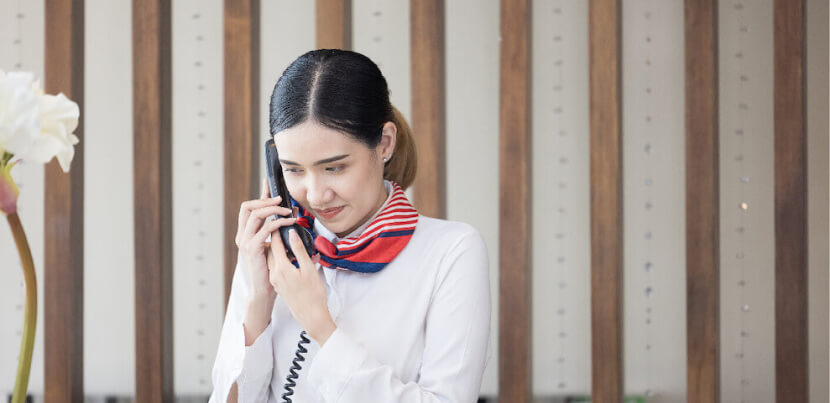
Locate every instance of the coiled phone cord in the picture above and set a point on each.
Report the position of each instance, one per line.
(290, 380)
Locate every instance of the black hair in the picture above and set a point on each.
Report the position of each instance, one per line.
(345, 91)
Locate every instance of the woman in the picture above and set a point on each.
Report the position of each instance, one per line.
(397, 305)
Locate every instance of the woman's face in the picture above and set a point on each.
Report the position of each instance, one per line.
(332, 175)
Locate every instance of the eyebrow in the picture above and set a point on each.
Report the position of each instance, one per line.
(322, 161)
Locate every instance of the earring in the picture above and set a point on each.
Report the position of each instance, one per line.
(385, 159)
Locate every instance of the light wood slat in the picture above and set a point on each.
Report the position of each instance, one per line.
(242, 140)
(64, 214)
(702, 203)
(428, 105)
(515, 271)
(334, 24)
(791, 319)
(606, 201)
(152, 102)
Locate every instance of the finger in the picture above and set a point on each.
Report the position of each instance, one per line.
(278, 248)
(274, 275)
(269, 228)
(252, 205)
(295, 211)
(266, 191)
(259, 216)
(245, 212)
(298, 249)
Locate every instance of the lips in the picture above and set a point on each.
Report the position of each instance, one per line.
(329, 213)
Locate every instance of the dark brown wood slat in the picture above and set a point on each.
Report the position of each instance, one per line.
(428, 107)
(791, 364)
(152, 102)
(702, 203)
(334, 24)
(606, 201)
(515, 271)
(242, 142)
(64, 214)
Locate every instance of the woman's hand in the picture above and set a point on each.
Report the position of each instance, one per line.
(302, 289)
(251, 235)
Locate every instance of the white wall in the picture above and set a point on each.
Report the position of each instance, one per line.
(747, 255)
(561, 202)
(652, 30)
(472, 67)
(109, 252)
(197, 191)
(817, 192)
(654, 199)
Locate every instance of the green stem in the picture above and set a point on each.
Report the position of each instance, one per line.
(24, 364)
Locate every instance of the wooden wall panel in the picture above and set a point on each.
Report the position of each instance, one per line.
(702, 203)
(791, 318)
(334, 24)
(64, 214)
(152, 100)
(242, 144)
(606, 201)
(428, 105)
(515, 333)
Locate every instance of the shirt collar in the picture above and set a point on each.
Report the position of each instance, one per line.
(321, 230)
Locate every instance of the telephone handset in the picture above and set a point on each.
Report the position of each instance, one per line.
(276, 183)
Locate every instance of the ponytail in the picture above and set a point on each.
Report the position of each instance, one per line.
(403, 165)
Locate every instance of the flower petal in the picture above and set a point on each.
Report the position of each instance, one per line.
(19, 120)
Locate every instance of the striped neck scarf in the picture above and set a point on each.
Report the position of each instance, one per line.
(376, 246)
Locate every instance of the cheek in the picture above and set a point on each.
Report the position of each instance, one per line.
(297, 192)
(352, 188)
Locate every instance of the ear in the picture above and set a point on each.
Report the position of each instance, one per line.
(388, 138)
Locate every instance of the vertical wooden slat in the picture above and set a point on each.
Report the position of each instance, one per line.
(428, 123)
(152, 102)
(515, 324)
(334, 24)
(64, 214)
(242, 142)
(790, 203)
(702, 203)
(606, 201)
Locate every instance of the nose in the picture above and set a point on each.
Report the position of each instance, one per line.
(318, 192)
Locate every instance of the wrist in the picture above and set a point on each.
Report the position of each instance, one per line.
(257, 318)
(260, 307)
(322, 329)
(263, 296)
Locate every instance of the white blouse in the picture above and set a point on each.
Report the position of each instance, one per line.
(416, 331)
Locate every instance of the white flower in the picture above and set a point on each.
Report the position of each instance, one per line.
(19, 117)
(35, 126)
(58, 119)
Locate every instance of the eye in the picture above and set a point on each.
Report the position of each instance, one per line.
(335, 168)
(292, 170)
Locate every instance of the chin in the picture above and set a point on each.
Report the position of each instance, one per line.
(337, 225)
